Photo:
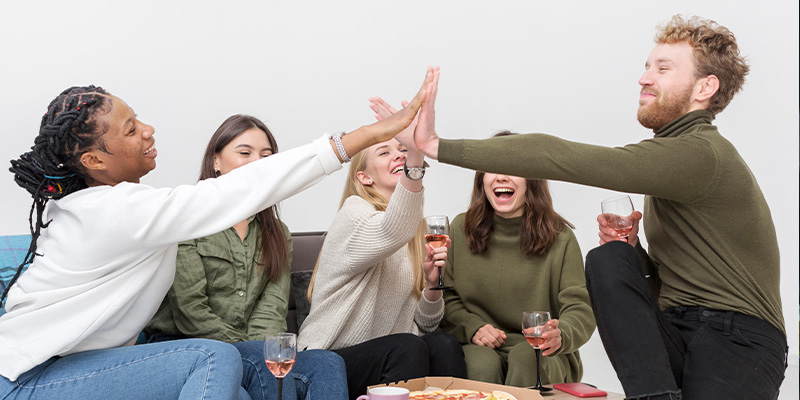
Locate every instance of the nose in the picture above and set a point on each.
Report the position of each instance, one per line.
(399, 155)
(147, 131)
(646, 80)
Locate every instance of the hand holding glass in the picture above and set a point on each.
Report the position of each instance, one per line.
(280, 351)
(436, 234)
(534, 324)
(618, 211)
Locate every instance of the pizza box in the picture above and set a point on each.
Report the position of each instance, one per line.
(446, 382)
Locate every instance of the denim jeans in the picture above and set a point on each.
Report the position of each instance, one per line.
(183, 369)
(401, 356)
(682, 352)
(316, 375)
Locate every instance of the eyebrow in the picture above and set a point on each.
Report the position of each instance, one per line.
(379, 148)
(247, 146)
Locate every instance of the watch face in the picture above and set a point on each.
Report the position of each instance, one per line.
(415, 173)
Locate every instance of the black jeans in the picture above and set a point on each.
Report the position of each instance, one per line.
(694, 353)
(399, 357)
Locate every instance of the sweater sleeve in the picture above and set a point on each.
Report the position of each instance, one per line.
(188, 299)
(154, 217)
(375, 235)
(677, 168)
(428, 314)
(269, 313)
(575, 316)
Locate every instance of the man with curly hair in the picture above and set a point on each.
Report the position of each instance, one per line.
(698, 314)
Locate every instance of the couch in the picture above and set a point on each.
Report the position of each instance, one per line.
(306, 247)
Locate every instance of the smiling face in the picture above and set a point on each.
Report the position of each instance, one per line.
(251, 145)
(384, 165)
(668, 85)
(125, 152)
(506, 194)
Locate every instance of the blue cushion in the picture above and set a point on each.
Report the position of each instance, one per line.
(12, 251)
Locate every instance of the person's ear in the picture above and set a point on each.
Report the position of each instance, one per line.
(92, 161)
(364, 178)
(216, 164)
(705, 88)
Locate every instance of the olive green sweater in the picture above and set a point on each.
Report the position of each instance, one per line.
(708, 226)
(497, 286)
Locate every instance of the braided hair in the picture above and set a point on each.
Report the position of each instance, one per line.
(52, 169)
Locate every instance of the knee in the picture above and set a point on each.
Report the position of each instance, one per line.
(483, 364)
(444, 344)
(221, 355)
(607, 263)
(407, 345)
(520, 353)
(323, 360)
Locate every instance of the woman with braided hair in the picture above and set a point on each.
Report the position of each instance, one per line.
(103, 252)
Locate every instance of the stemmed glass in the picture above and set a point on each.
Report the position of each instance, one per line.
(618, 211)
(436, 233)
(280, 351)
(534, 324)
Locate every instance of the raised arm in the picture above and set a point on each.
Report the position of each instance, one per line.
(389, 127)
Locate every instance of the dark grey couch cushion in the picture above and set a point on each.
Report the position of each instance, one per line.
(300, 282)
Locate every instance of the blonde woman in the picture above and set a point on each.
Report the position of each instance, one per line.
(370, 297)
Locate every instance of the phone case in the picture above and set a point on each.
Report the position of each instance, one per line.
(579, 390)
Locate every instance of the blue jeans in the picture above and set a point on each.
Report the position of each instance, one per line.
(182, 369)
(316, 375)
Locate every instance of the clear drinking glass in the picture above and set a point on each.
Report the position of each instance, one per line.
(280, 351)
(436, 233)
(618, 211)
(534, 324)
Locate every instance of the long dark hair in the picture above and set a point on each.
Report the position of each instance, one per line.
(272, 241)
(52, 169)
(540, 226)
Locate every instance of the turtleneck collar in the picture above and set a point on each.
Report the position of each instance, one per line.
(684, 122)
(506, 223)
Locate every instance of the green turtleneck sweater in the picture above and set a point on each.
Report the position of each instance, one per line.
(497, 286)
(709, 229)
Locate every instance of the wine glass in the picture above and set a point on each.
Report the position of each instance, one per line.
(280, 351)
(436, 233)
(534, 324)
(618, 211)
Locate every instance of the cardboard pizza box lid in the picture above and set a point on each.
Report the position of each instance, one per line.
(446, 382)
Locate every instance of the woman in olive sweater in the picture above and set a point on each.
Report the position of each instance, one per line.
(511, 252)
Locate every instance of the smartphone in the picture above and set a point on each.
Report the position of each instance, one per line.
(580, 389)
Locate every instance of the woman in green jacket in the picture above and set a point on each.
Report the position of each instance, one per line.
(233, 286)
(511, 253)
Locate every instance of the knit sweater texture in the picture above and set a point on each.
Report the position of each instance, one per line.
(708, 227)
(108, 257)
(498, 285)
(364, 287)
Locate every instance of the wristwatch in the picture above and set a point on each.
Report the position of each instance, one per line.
(415, 173)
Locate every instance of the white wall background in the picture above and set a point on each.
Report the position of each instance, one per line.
(305, 67)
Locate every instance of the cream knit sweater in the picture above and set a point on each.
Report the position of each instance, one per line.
(364, 285)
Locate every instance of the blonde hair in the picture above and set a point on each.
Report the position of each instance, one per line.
(354, 187)
(715, 53)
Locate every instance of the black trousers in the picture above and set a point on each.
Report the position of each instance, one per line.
(400, 357)
(693, 353)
